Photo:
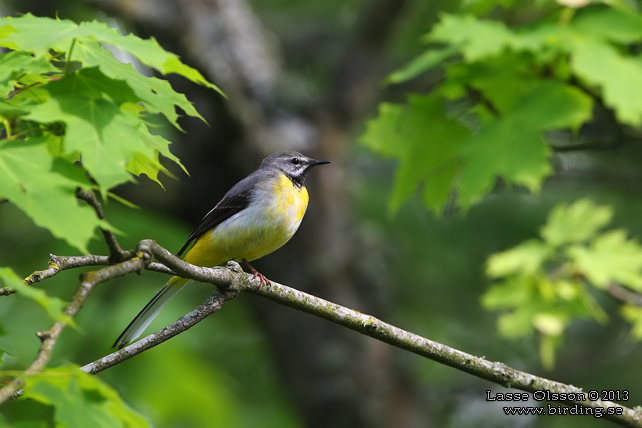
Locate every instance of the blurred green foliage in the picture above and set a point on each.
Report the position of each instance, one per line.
(491, 115)
(544, 282)
(512, 87)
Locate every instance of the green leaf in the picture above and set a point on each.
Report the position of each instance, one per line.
(482, 7)
(515, 324)
(8, 110)
(158, 144)
(511, 293)
(475, 38)
(383, 133)
(52, 305)
(425, 141)
(511, 146)
(45, 190)
(548, 346)
(140, 163)
(609, 23)
(38, 35)
(633, 314)
(105, 135)
(15, 64)
(617, 75)
(550, 323)
(610, 257)
(424, 62)
(157, 94)
(527, 258)
(503, 81)
(575, 223)
(81, 400)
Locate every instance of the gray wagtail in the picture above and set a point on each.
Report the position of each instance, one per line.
(255, 218)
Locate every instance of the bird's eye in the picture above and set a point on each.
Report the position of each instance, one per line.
(296, 161)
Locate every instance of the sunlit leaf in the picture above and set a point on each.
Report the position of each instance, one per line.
(510, 293)
(548, 346)
(105, 135)
(475, 38)
(517, 323)
(617, 75)
(157, 94)
(611, 257)
(38, 35)
(549, 323)
(526, 258)
(576, 222)
(45, 190)
(633, 314)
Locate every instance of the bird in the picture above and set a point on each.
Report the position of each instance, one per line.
(256, 217)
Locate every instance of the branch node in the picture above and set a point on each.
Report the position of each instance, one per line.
(234, 266)
(43, 335)
(145, 255)
(5, 291)
(34, 277)
(54, 262)
(144, 246)
(370, 324)
(238, 274)
(87, 276)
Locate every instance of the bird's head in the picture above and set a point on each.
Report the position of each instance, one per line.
(293, 164)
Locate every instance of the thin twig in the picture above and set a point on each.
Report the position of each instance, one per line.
(31, 85)
(50, 337)
(624, 295)
(207, 308)
(116, 253)
(58, 264)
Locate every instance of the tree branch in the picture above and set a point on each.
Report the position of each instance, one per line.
(234, 280)
(59, 263)
(211, 305)
(624, 295)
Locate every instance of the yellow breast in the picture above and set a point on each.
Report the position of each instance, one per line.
(291, 202)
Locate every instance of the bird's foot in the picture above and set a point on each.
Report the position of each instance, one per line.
(262, 278)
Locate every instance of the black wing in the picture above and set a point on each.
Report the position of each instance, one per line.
(234, 201)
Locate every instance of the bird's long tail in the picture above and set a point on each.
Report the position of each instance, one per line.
(149, 312)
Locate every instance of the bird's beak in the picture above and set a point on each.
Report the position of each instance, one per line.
(319, 162)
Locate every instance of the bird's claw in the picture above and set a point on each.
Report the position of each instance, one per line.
(262, 279)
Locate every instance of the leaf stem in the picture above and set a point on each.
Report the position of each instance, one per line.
(68, 60)
(7, 127)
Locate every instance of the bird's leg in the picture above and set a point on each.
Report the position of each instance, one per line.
(256, 273)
